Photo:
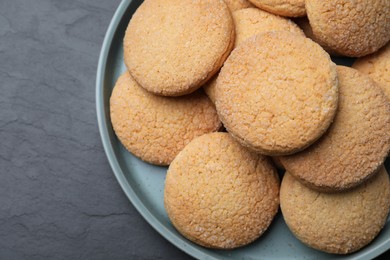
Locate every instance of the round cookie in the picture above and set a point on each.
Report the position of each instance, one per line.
(350, 28)
(219, 194)
(355, 145)
(377, 66)
(156, 128)
(277, 93)
(338, 223)
(238, 4)
(249, 22)
(172, 47)
(290, 8)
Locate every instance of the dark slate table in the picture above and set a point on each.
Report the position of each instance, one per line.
(58, 196)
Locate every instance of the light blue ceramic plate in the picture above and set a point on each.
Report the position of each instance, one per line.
(144, 183)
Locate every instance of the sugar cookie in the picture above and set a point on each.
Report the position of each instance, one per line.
(156, 128)
(350, 28)
(355, 145)
(277, 93)
(219, 194)
(172, 47)
(338, 223)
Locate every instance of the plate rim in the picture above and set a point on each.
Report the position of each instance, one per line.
(149, 217)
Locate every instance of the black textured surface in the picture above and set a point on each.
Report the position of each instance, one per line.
(58, 196)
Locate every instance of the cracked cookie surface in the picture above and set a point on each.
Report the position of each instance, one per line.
(156, 128)
(357, 141)
(219, 194)
(172, 47)
(350, 28)
(338, 223)
(277, 93)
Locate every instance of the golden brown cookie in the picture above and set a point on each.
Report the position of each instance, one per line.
(238, 4)
(338, 223)
(218, 194)
(357, 142)
(350, 28)
(290, 8)
(172, 47)
(249, 22)
(277, 93)
(377, 66)
(156, 128)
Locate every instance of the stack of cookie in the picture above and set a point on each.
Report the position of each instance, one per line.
(277, 93)
(335, 195)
